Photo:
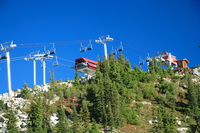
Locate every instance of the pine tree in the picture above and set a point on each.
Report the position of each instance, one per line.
(62, 124)
(116, 106)
(110, 115)
(198, 94)
(170, 71)
(98, 89)
(76, 80)
(85, 116)
(95, 128)
(48, 110)
(25, 92)
(192, 94)
(76, 127)
(36, 116)
(11, 124)
(152, 68)
(107, 105)
(169, 123)
(197, 119)
(114, 70)
(2, 105)
(166, 121)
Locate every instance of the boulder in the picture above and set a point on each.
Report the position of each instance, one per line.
(196, 71)
(153, 121)
(178, 122)
(182, 129)
(23, 116)
(23, 125)
(54, 119)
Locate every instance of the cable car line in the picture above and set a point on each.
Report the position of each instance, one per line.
(28, 45)
(124, 50)
(14, 59)
(19, 54)
(120, 48)
(133, 53)
(133, 47)
(59, 63)
(56, 42)
(66, 60)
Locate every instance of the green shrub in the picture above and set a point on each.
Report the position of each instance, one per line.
(161, 99)
(149, 93)
(130, 116)
(2, 105)
(182, 94)
(26, 93)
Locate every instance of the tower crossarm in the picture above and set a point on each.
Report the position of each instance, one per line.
(103, 41)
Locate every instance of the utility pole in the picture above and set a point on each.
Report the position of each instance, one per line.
(103, 41)
(6, 49)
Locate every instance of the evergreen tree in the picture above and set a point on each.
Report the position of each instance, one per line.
(149, 92)
(2, 105)
(152, 65)
(192, 94)
(121, 59)
(106, 104)
(196, 128)
(98, 91)
(48, 110)
(169, 123)
(36, 116)
(62, 124)
(166, 121)
(114, 70)
(153, 69)
(198, 94)
(76, 127)
(76, 80)
(85, 116)
(170, 71)
(11, 124)
(95, 128)
(26, 94)
(130, 116)
(116, 106)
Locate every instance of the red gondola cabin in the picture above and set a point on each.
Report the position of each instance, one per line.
(85, 65)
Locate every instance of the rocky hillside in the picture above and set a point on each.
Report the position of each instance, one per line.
(118, 99)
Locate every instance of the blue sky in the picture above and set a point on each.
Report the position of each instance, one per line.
(143, 26)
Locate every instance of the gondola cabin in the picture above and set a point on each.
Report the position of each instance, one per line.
(85, 65)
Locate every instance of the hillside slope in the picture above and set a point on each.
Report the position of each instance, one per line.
(117, 99)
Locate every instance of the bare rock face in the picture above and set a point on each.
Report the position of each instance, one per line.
(17, 103)
(196, 71)
(54, 119)
(182, 129)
